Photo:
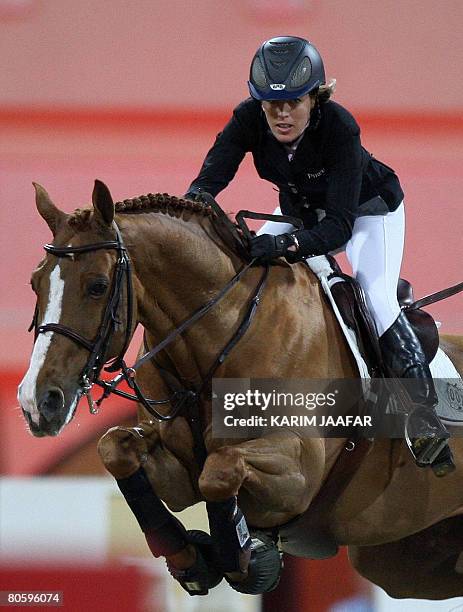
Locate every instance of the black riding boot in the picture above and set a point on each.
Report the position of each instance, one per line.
(405, 358)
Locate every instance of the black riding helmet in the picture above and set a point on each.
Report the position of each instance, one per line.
(285, 68)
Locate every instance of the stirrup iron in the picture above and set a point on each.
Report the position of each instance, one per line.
(427, 436)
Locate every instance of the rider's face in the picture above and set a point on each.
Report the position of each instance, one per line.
(287, 119)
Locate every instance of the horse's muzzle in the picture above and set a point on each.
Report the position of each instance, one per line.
(52, 414)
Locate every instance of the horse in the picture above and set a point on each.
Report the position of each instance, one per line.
(403, 526)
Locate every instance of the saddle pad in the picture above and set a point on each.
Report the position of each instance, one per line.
(322, 269)
(449, 387)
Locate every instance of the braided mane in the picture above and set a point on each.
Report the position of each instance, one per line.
(162, 202)
(174, 206)
(157, 202)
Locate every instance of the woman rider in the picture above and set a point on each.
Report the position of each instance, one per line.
(309, 147)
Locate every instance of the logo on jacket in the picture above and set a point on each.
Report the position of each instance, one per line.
(313, 175)
(277, 86)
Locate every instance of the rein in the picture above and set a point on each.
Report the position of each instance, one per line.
(98, 348)
(128, 373)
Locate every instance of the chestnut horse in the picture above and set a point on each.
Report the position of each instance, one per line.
(403, 526)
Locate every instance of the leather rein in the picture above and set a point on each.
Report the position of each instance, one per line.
(98, 347)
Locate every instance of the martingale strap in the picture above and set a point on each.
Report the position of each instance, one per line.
(189, 399)
(242, 329)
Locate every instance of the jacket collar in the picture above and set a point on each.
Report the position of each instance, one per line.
(278, 154)
(305, 153)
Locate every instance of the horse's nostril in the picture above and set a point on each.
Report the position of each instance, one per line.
(51, 403)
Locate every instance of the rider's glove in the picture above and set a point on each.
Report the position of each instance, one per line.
(198, 196)
(267, 247)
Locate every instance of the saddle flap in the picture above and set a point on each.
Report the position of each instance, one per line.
(349, 299)
(353, 316)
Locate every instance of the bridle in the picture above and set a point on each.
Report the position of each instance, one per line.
(98, 348)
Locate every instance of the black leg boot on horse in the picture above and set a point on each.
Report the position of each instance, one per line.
(191, 555)
(405, 358)
(251, 561)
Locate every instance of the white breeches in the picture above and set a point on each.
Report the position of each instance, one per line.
(375, 253)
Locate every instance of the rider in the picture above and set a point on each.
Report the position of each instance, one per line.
(309, 147)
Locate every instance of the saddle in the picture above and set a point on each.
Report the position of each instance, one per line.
(350, 300)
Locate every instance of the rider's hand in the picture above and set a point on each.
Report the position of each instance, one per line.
(198, 196)
(267, 247)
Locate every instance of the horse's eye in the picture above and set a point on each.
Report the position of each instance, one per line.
(97, 288)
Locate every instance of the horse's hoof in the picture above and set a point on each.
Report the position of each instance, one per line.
(204, 574)
(264, 567)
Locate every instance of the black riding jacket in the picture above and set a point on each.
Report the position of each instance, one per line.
(330, 171)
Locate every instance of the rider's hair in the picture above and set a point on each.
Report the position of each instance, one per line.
(325, 91)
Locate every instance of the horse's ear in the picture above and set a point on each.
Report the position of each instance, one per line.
(47, 210)
(103, 203)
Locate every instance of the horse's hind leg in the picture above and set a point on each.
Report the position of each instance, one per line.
(124, 452)
(426, 565)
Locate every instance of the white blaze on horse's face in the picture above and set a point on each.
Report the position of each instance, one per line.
(27, 389)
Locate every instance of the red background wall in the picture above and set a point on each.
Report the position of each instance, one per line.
(133, 93)
(386, 54)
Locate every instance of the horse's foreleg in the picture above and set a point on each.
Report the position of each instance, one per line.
(426, 565)
(220, 481)
(269, 472)
(276, 476)
(124, 451)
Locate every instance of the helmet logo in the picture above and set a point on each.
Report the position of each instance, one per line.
(277, 86)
